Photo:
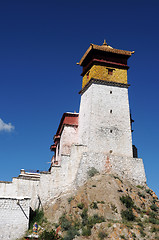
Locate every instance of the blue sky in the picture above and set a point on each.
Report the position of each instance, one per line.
(40, 43)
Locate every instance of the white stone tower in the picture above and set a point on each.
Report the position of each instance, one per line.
(100, 135)
(104, 116)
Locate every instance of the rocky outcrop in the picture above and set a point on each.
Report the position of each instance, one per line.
(106, 207)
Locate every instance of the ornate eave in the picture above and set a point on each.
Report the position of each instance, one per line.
(104, 48)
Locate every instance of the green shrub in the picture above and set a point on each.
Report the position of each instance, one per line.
(71, 233)
(149, 191)
(109, 225)
(137, 209)
(94, 205)
(97, 219)
(128, 215)
(92, 172)
(84, 216)
(140, 224)
(153, 220)
(142, 233)
(133, 235)
(64, 222)
(122, 237)
(139, 186)
(141, 195)
(154, 207)
(70, 199)
(49, 236)
(102, 235)
(153, 229)
(86, 231)
(80, 205)
(127, 201)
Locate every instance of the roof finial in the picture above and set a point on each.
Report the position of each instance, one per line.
(105, 43)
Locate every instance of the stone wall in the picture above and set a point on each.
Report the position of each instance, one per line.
(104, 120)
(22, 186)
(127, 167)
(14, 217)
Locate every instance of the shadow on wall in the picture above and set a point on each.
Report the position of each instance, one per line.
(36, 215)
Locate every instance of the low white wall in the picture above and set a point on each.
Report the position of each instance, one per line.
(14, 217)
(127, 167)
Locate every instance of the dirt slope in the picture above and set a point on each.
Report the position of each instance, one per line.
(106, 207)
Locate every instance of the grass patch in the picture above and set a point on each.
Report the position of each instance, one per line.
(92, 172)
(102, 235)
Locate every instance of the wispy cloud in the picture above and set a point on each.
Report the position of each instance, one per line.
(7, 127)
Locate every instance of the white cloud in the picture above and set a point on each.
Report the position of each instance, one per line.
(8, 127)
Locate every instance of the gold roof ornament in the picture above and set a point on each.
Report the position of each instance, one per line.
(104, 43)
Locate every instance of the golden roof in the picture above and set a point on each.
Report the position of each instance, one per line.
(105, 48)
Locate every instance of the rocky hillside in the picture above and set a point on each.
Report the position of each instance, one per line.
(106, 207)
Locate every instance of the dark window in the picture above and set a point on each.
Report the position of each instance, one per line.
(110, 71)
(110, 92)
(87, 75)
(111, 111)
(111, 131)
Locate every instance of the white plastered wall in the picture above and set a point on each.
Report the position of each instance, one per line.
(96, 120)
(14, 217)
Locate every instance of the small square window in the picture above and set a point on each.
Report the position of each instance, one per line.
(111, 111)
(110, 92)
(111, 131)
(110, 71)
